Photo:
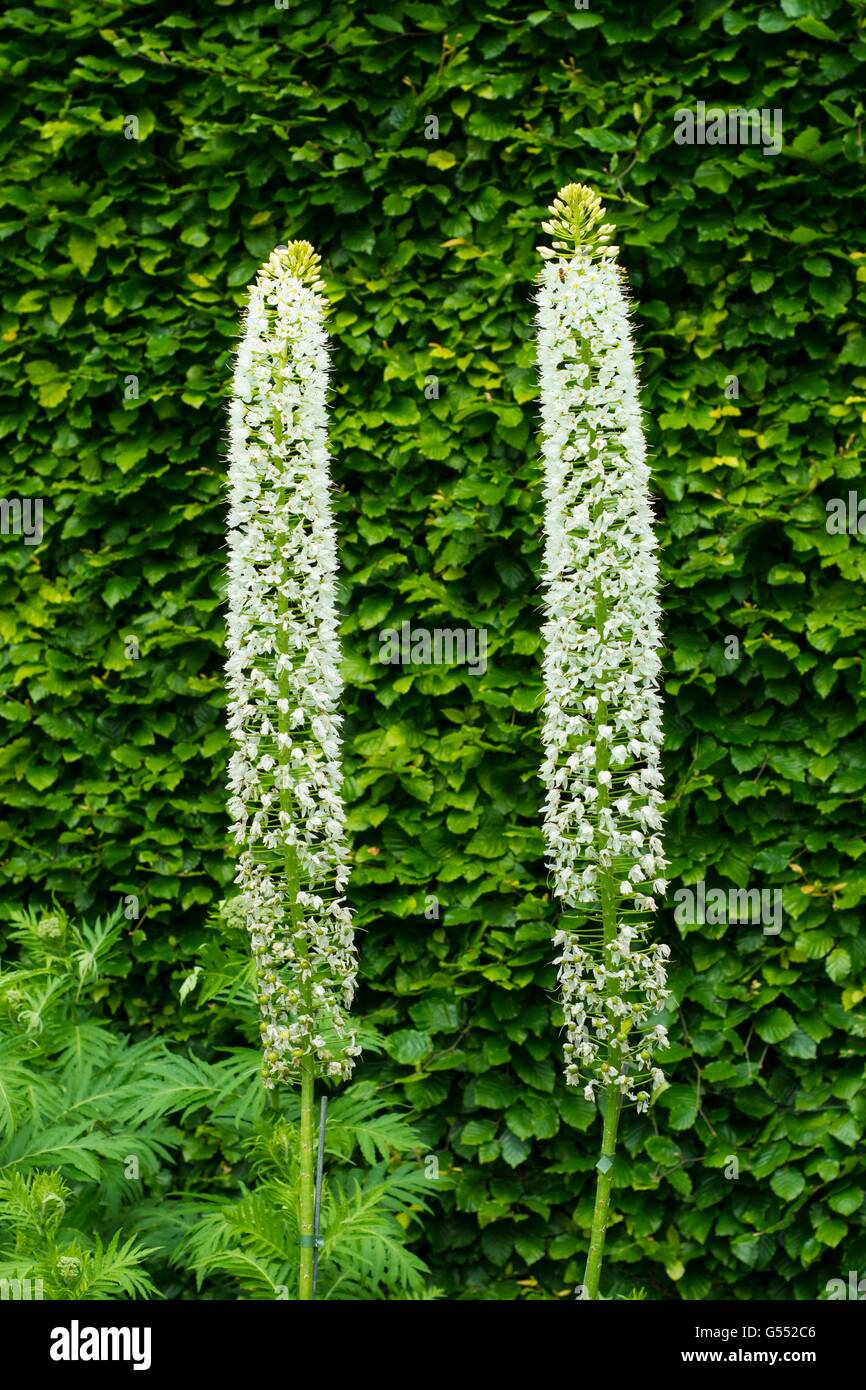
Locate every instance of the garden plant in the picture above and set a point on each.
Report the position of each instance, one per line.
(285, 775)
(602, 726)
(623, 627)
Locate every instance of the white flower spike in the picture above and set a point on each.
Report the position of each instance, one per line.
(283, 676)
(602, 724)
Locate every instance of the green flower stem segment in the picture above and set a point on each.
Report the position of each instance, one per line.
(592, 1276)
(284, 693)
(602, 719)
(307, 1180)
(307, 1065)
(612, 1095)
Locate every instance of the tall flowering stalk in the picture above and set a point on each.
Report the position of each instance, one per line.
(284, 690)
(602, 725)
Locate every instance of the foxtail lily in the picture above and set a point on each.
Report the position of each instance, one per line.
(602, 720)
(284, 692)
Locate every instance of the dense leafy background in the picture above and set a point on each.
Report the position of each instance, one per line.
(130, 257)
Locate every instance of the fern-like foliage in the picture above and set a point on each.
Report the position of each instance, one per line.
(247, 1246)
(41, 1256)
(76, 1094)
(88, 1117)
(91, 1129)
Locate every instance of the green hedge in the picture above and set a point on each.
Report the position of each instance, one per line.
(128, 258)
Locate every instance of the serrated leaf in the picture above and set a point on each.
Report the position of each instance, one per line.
(82, 251)
(788, 1183)
(774, 1025)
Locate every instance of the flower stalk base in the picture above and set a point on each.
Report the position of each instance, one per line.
(601, 1213)
(307, 1180)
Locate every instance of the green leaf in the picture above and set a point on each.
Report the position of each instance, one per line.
(119, 588)
(497, 1244)
(484, 206)
(52, 393)
(61, 307)
(82, 251)
(774, 1025)
(602, 139)
(681, 1102)
(515, 1151)
(402, 410)
(838, 965)
(831, 1232)
(787, 1183)
(848, 1202)
(762, 280)
(478, 1131)
(223, 195)
(409, 1046)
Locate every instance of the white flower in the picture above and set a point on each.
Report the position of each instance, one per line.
(602, 727)
(283, 675)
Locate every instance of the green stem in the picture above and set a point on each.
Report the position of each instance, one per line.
(613, 1101)
(306, 1156)
(592, 1275)
(307, 1179)
(613, 1097)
